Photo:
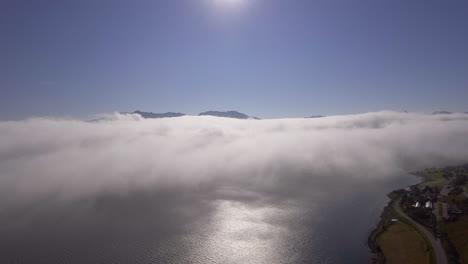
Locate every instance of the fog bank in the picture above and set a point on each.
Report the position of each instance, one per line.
(238, 159)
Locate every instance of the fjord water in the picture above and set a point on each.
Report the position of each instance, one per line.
(312, 220)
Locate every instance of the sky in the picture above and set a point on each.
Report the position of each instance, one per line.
(266, 58)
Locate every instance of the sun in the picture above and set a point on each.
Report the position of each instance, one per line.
(230, 3)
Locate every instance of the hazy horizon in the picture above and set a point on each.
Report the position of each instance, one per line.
(116, 113)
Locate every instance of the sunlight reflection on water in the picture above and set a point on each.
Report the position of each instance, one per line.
(241, 234)
(315, 226)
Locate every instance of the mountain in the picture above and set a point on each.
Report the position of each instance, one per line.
(441, 113)
(315, 116)
(230, 114)
(157, 115)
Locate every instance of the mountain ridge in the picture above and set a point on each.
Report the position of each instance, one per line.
(228, 114)
(441, 113)
(157, 115)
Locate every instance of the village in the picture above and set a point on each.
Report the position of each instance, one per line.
(442, 199)
(434, 212)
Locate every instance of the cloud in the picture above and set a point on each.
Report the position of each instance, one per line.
(228, 158)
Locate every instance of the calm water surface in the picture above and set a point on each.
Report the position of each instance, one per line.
(317, 222)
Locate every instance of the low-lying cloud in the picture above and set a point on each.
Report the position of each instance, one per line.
(233, 158)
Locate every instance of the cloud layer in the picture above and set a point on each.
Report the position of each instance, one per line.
(125, 153)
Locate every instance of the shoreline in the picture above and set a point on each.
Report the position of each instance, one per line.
(375, 252)
(376, 255)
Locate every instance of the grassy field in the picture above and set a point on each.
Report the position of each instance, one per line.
(402, 244)
(449, 199)
(458, 234)
(433, 177)
(432, 183)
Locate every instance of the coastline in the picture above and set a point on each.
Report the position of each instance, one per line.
(376, 255)
(375, 252)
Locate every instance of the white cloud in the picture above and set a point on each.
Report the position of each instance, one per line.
(123, 153)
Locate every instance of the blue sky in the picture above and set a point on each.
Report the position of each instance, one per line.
(267, 58)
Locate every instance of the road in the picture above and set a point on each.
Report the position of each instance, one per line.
(439, 251)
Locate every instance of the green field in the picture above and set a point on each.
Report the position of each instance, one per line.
(433, 177)
(457, 198)
(458, 234)
(401, 243)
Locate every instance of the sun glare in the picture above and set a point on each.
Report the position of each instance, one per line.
(230, 3)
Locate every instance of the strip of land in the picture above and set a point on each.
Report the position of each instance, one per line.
(434, 214)
(436, 245)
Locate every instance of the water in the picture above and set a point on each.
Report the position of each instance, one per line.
(312, 221)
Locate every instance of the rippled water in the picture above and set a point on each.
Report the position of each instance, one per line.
(322, 222)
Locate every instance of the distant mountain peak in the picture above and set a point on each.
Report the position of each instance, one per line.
(441, 113)
(157, 115)
(315, 116)
(229, 114)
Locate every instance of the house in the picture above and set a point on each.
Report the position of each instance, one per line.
(428, 204)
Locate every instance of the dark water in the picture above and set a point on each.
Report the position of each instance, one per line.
(320, 222)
